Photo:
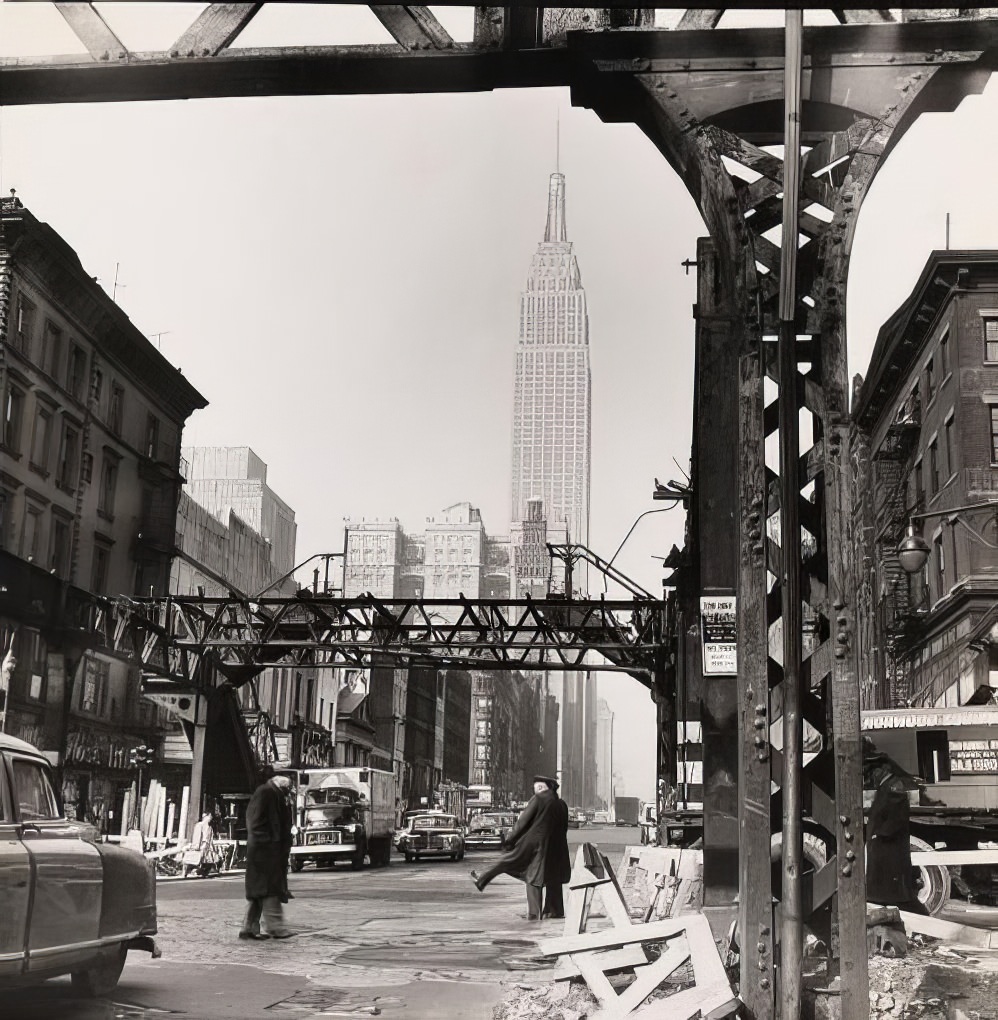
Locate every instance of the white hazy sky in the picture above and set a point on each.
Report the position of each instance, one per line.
(340, 277)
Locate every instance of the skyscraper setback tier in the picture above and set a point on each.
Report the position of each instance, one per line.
(552, 400)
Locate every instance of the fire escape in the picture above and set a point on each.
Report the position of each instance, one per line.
(903, 602)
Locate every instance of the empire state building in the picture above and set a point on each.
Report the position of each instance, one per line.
(552, 399)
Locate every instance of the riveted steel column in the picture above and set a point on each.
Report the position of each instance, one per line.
(791, 916)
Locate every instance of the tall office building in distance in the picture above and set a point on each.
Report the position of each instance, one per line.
(552, 400)
(551, 435)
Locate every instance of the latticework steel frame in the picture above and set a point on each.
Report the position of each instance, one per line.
(171, 637)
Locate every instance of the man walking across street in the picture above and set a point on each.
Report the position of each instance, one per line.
(268, 843)
(535, 857)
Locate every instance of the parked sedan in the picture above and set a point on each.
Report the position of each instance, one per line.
(489, 830)
(70, 905)
(433, 834)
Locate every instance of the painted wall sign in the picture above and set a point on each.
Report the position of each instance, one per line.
(718, 635)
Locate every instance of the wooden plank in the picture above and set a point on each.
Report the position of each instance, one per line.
(415, 28)
(92, 30)
(608, 959)
(698, 20)
(609, 938)
(646, 980)
(599, 984)
(953, 858)
(215, 29)
(961, 934)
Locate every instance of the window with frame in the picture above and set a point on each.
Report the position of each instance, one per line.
(948, 426)
(994, 433)
(115, 408)
(50, 354)
(940, 559)
(69, 445)
(76, 371)
(108, 485)
(13, 412)
(100, 568)
(98, 389)
(41, 440)
(31, 538)
(152, 436)
(24, 324)
(61, 541)
(989, 324)
(934, 467)
(919, 482)
(944, 365)
(87, 468)
(930, 380)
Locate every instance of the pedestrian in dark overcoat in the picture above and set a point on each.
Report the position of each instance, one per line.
(889, 876)
(268, 843)
(559, 865)
(534, 841)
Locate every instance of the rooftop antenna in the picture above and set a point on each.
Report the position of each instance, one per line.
(557, 142)
(161, 333)
(114, 287)
(947, 231)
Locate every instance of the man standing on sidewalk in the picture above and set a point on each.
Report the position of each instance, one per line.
(268, 840)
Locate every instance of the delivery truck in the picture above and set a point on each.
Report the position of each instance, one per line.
(344, 814)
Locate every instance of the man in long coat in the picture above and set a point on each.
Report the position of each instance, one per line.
(268, 842)
(559, 866)
(535, 857)
(889, 876)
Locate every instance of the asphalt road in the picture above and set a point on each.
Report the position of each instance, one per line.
(411, 940)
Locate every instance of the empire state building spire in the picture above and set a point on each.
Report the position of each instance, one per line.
(556, 229)
(551, 395)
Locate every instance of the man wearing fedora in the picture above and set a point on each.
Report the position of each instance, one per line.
(539, 854)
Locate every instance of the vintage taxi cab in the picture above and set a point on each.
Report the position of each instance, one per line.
(433, 834)
(68, 904)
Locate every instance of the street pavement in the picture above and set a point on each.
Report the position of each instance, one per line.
(411, 940)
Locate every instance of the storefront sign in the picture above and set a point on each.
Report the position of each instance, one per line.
(718, 635)
(973, 756)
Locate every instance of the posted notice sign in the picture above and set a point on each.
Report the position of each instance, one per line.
(718, 635)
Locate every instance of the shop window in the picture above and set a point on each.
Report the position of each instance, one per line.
(932, 748)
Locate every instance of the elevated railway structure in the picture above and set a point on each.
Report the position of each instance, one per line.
(776, 134)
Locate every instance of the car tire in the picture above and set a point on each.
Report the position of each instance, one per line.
(102, 978)
(933, 880)
(297, 864)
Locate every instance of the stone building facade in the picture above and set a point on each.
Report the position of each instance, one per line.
(925, 451)
(90, 435)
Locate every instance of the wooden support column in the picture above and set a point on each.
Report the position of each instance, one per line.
(197, 760)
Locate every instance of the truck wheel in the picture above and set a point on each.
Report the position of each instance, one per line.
(102, 978)
(932, 880)
(297, 864)
(357, 861)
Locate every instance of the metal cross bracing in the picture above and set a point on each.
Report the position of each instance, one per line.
(713, 101)
(171, 637)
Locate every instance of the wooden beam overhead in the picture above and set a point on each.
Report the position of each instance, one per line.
(415, 28)
(92, 30)
(215, 29)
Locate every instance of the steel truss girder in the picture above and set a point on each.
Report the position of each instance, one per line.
(172, 637)
(674, 99)
(513, 47)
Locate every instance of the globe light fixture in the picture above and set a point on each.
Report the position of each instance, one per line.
(912, 551)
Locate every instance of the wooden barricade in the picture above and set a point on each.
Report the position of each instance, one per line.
(622, 947)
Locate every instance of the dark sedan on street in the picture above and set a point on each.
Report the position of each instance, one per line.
(433, 834)
(489, 830)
